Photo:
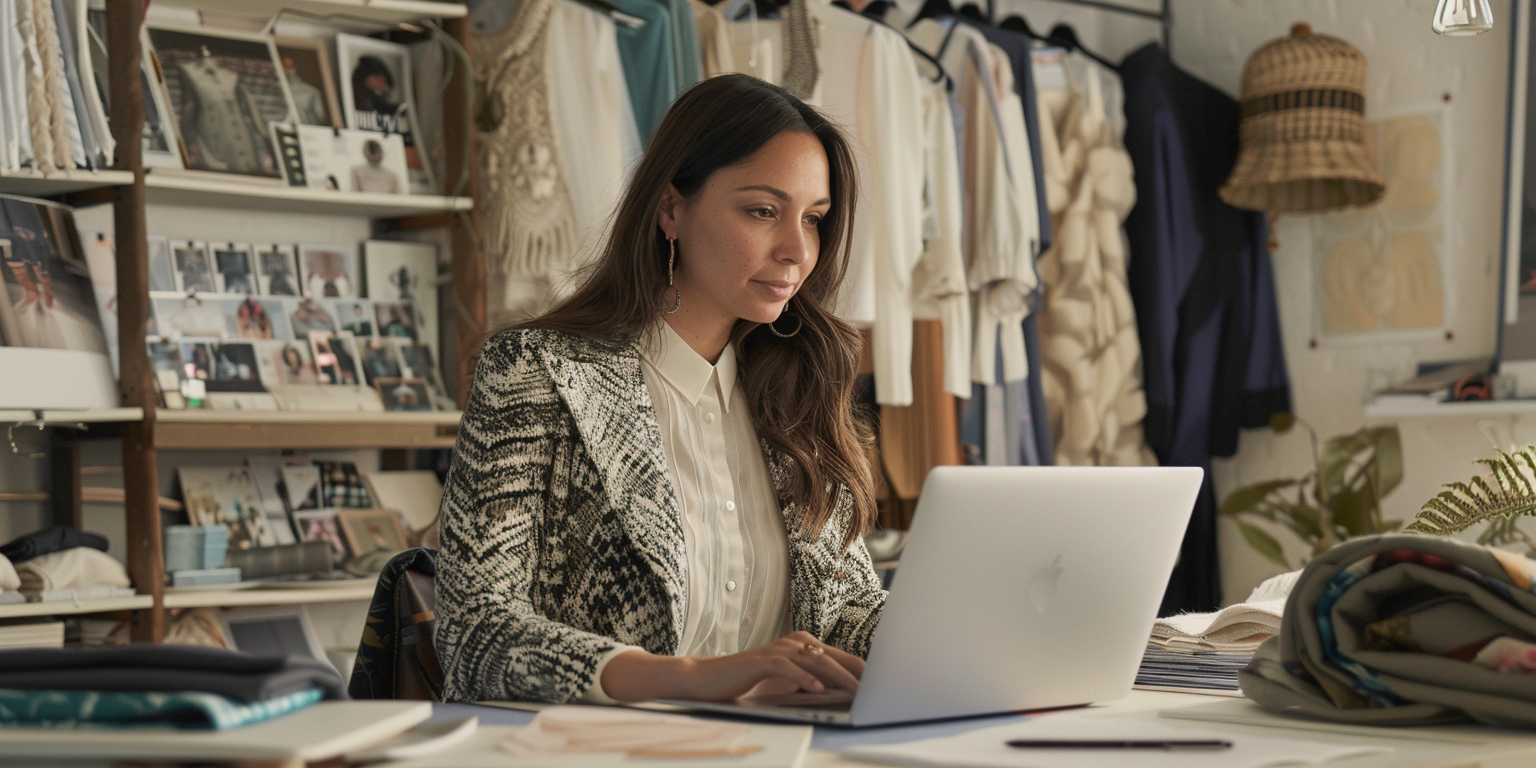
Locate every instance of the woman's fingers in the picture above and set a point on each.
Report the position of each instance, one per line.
(829, 672)
(848, 661)
(782, 666)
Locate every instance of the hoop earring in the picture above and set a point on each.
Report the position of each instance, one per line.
(672, 261)
(776, 332)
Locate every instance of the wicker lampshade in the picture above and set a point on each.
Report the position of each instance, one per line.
(1303, 133)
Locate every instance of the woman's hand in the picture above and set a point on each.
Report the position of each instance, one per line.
(797, 661)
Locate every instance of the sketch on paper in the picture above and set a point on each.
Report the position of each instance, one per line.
(1381, 270)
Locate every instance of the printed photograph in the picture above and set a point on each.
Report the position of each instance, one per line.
(320, 525)
(224, 366)
(47, 299)
(380, 360)
(267, 473)
(310, 316)
(405, 273)
(194, 267)
(253, 318)
(282, 363)
(224, 88)
(418, 362)
(376, 96)
(351, 160)
(162, 276)
(335, 359)
(275, 270)
(330, 271)
(189, 316)
(226, 495)
(311, 80)
(354, 316)
(371, 530)
(301, 486)
(233, 263)
(159, 142)
(397, 320)
(404, 394)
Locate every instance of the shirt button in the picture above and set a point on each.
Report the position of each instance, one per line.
(730, 586)
(730, 506)
(709, 418)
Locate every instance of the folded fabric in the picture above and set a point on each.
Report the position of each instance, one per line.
(8, 577)
(183, 709)
(59, 537)
(167, 668)
(1404, 629)
(71, 569)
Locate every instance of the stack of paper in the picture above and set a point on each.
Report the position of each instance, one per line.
(32, 634)
(1205, 651)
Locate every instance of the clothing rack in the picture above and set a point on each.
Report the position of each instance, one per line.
(1163, 16)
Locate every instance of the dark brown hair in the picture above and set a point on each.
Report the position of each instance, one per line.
(799, 390)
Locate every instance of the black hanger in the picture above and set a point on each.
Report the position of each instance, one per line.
(973, 12)
(1017, 23)
(1066, 37)
(876, 10)
(933, 9)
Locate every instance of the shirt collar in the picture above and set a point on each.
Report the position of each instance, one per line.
(685, 370)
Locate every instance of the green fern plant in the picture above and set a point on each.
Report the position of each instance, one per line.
(1339, 500)
(1510, 496)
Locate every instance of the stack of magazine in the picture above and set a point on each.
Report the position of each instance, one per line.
(1203, 652)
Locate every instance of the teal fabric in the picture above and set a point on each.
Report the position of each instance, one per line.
(190, 710)
(649, 62)
(688, 62)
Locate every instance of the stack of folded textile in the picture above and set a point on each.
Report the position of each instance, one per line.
(10, 582)
(1205, 651)
(157, 686)
(61, 563)
(1405, 629)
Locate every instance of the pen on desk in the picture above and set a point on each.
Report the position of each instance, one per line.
(1119, 744)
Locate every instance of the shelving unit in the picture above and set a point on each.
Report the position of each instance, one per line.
(131, 190)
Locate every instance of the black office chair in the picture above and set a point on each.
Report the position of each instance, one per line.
(396, 658)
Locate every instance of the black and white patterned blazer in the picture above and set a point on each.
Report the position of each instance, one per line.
(562, 536)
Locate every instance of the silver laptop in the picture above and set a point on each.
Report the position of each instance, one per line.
(1020, 588)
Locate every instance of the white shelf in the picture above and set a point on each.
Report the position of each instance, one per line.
(348, 12)
(211, 190)
(1405, 408)
(267, 596)
(57, 416)
(29, 183)
(67, 608)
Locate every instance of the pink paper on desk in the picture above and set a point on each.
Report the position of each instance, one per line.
(594, 730)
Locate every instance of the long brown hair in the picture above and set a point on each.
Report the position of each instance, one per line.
(799, 390)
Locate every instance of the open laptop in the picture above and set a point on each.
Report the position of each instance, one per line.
(1020, 588)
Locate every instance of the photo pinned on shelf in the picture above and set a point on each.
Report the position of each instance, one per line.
(46, 297)
(226, 495)
(194, 267)
(310, 316)
(418, 362)
(330, 271)
(377, 95)
(354, 316)
(404, 394)
(225, 88)
(301, 486)
(228, 366)
(397, 320)
(405, 273)
(232, 262)
(380, 359)
(350, 160)
(320, 525)
(162, 276)
(165, 362)
(372, 530)
(267, 475)
(253, 318)
(335, 358)
(276, 273)
(306, 64)
(188, 317)
(285, 363)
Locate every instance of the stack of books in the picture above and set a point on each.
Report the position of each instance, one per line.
(1203, 652)
(31, 634)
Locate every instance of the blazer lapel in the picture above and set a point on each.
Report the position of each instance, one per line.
(612, 409)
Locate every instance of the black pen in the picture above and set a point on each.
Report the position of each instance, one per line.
(1119, 744)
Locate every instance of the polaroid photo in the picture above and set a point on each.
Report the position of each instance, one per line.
(236, 272)
(418, 362)
(225, 88)
(310, 316)
(404, 394)
(320, 525)
(379, 359)
(377, 95)
(162, 276)
(301, 486)
(228, 366)
(405, 273)
(188, 317)
(267, 473)
(311, 80)
(227, 495)
(329, 271)
(351, 161)
(354, 316)
(276, 270)
(194, 267)
(46, 296)
(371, 530)
(335, 358)
(397, 320)
(253, 318)
(285, 363)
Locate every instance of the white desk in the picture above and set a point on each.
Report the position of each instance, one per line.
(1494, 748)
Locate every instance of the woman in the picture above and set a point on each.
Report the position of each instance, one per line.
(659, 487)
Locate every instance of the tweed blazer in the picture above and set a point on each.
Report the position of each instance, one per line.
(562, 535)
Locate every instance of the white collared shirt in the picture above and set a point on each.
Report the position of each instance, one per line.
(733, 527)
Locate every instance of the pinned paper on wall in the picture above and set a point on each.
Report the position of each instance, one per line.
(1381, 270)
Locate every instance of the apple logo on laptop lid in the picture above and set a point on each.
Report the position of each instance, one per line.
(1042, 587)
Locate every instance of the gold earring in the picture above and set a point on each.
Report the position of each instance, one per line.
(798, 323)
(671, 262)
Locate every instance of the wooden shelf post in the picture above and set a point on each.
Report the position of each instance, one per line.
(468, 261)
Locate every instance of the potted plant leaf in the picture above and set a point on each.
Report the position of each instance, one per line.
(1500, 503)
(1338, 500)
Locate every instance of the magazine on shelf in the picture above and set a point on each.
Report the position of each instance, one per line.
(226, 495)
(46, 296)
(348, 160)
(377, 95)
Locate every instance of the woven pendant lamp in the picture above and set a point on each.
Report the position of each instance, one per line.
(1303, 134)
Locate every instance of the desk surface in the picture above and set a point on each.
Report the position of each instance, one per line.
(1481, 746)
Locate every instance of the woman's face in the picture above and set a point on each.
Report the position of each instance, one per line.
(748, 239)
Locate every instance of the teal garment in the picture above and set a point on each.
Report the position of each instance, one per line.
(688, 62)
(649, 63)
(191, 710)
